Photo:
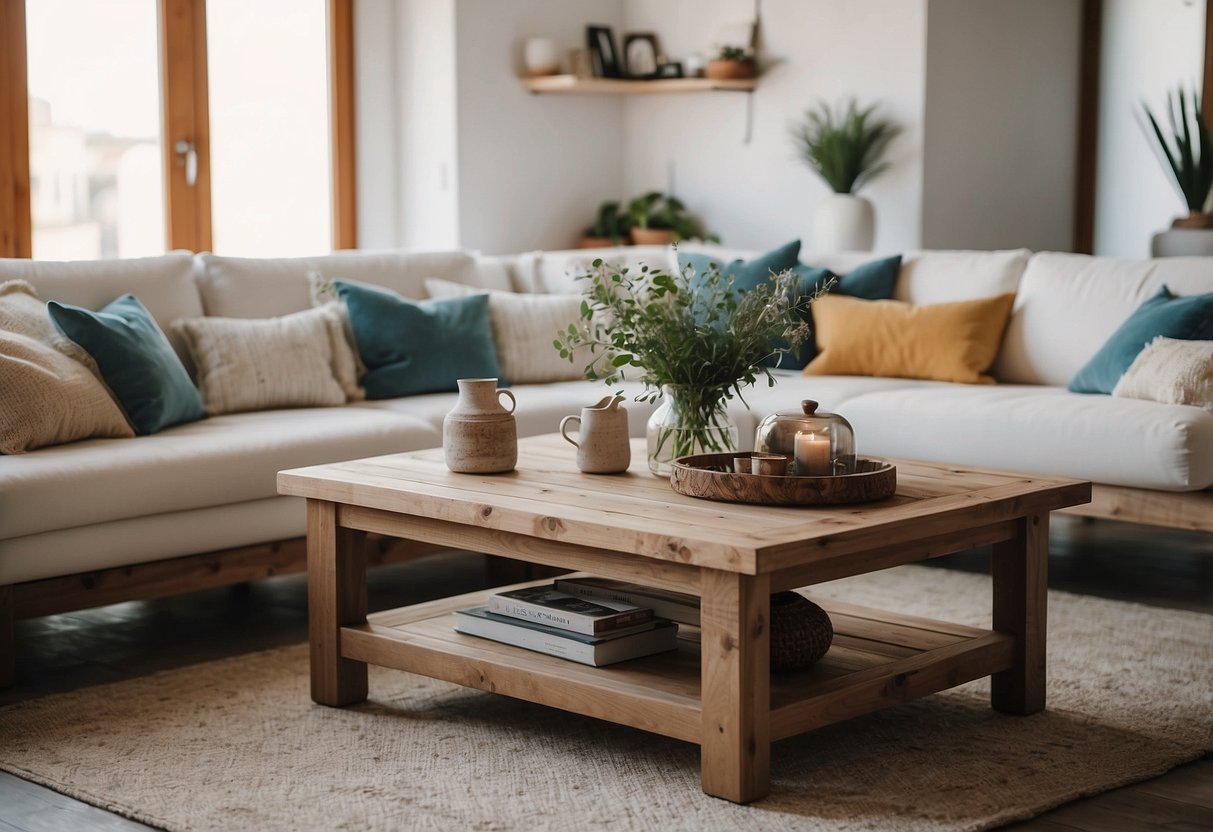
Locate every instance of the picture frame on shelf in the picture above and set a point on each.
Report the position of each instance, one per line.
(604, 59)
(670, 69)
(641, 55)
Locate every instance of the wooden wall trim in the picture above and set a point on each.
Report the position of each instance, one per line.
(1091, 29)
(186, 117)
(16, 232)
(342, 125)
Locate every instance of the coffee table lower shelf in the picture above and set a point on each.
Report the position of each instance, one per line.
(877, 659)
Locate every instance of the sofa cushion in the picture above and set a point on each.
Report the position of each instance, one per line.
(556, 272)
(940, 341)
(165, 285)
(748, 273)
(222, 460)
(242, 287)
(947, 276)
(136, 361)
(1041, 430)
(412, 347)
(1171, 371)
(1070, 304)
(1187, 319)
(296, 360)
(524, 327)
(47, 396)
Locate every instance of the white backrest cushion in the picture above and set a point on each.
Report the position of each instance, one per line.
(242, 287)
(949, 276)
(1070, 304)
(496, 273)
(164, 285)
(555, 272)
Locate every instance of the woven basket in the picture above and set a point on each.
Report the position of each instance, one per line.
(801, 631)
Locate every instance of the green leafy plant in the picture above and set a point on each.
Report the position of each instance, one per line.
(732, 53)
(663, 211)
(700, 336)
(845, 146)
(1187, 156)
(610, 222)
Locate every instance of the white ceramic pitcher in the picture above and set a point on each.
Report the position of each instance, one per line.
(602, 442)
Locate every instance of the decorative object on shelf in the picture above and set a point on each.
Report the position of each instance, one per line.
(479, 435)
(602, 443)
(731, 63)
(611, 227)
(801, 632)
(540, 57)
(820, 444)
(604, 60)
(641, 55)
(580, 65)
(694, 65)
(1187, 158)
(844, 147)
(658, 219)
(714, 477)
(695, 348)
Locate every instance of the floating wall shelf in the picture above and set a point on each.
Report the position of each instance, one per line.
(572, 85)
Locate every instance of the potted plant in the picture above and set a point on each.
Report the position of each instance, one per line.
(1187, 157)
(610, 228)
(844, 148)
(658, 219)
(694, 341)
(731, 63)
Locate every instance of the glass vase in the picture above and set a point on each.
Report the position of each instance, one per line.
(689, 420)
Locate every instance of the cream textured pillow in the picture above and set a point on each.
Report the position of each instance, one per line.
(49, 390)
(296, 360)
(524, 327)
(1172, 372)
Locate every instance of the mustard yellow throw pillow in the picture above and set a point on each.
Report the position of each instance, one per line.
(941, 342)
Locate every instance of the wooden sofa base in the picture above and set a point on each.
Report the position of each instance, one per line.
(157, 579)
(1192, 511)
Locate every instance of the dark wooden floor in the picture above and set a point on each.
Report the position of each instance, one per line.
(65, 652)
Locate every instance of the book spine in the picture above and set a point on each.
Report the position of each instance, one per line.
(527, 639)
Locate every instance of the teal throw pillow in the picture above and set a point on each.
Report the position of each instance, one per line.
(871, 281)
(1184, 319)
(136, 361)
(412, 347)
(747, 274)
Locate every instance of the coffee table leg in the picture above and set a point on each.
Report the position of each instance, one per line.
(735, 750)
(1020, 568)
(336, 597)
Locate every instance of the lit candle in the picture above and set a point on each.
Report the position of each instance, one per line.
(813, 455)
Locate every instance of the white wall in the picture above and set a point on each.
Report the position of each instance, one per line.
(1149, 46)
(1002, 86)
(532, 168)
(760, 195)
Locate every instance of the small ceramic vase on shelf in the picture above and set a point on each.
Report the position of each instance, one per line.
(819, 444)
(689, 420)
(602, 443)
(479, 435)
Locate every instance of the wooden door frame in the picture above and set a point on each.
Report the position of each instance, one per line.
(185, 116)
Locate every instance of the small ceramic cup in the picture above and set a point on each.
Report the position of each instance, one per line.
(741, 465)
(769, 465)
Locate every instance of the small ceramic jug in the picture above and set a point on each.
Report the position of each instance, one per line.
(479, 435)
(602, 442)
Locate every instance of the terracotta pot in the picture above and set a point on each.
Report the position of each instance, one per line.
(1196, 219)
(652, 236)
(729, 70)
(599, 242)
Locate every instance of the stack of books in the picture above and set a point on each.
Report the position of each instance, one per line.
(559, 623)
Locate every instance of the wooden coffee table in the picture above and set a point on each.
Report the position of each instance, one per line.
(716, 689)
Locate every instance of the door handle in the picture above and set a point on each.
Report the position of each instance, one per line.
(188, 152)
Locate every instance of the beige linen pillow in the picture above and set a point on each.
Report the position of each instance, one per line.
(50, 392)
(1171, 371)
(295, 360)
(524, 327)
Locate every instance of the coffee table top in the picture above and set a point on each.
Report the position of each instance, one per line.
(638, 513)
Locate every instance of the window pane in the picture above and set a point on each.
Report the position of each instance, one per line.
(96, 178)
(268, 75)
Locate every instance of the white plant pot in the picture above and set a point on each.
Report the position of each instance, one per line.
(1182, 242)
(844, 222)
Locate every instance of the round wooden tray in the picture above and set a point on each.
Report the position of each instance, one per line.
(711, 477)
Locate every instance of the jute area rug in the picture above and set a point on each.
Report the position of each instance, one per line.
(237, 744)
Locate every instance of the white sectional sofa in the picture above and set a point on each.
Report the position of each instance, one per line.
(103, 520)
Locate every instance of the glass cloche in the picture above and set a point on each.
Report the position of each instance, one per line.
(819, 444)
